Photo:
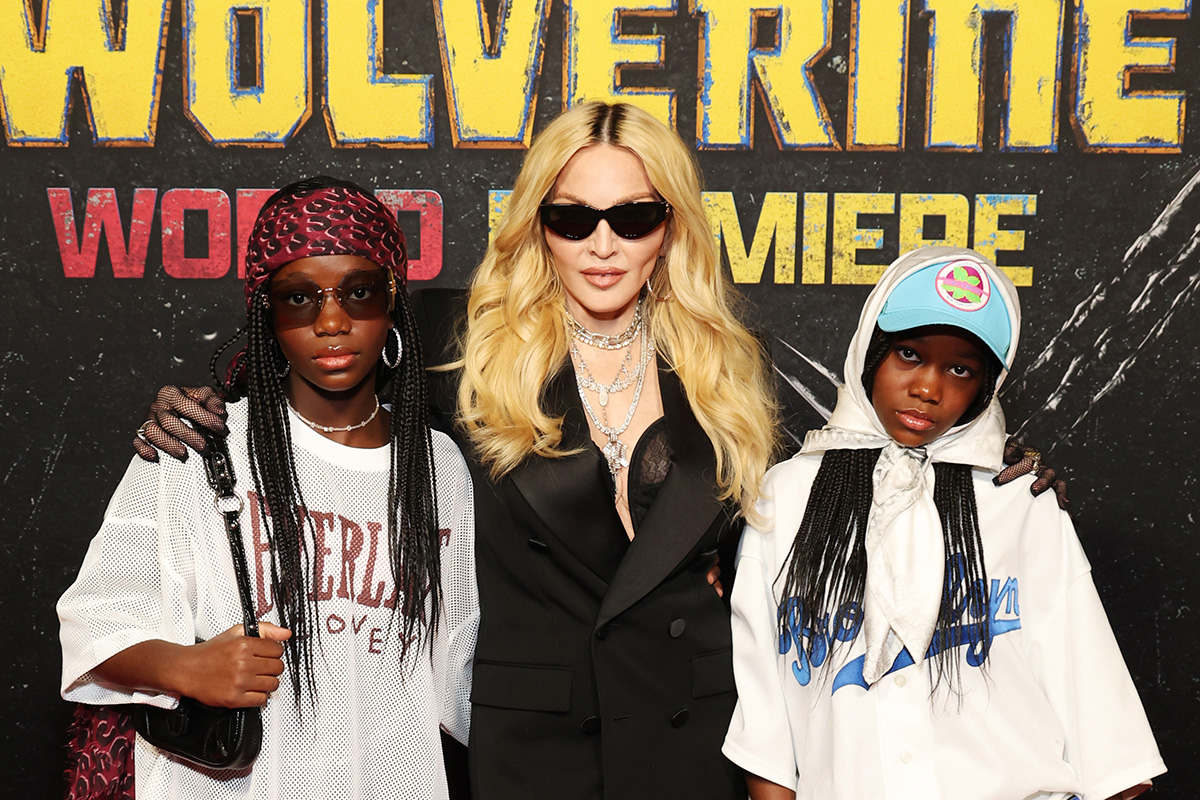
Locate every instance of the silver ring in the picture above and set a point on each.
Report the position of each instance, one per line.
(141, 432)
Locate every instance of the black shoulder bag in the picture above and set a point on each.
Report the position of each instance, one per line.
(211, 736)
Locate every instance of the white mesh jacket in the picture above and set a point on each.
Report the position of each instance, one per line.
(160, 568)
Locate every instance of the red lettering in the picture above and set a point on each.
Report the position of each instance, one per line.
(358, 623)
(79, 245)
(322, 583)
(79, 248)
(329, 623)
(215, 204)
(376, 640)
(365, 597)
(429, 204)
(443, 536)
(352, 542)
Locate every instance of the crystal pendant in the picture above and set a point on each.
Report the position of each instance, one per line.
(615, 452)
(603, 392)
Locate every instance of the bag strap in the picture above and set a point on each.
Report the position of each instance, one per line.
(219, 468)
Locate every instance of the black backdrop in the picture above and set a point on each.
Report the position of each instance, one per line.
(1106, 377)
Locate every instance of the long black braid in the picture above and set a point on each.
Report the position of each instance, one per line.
(825, 572)
(964, 616)
(413, 536)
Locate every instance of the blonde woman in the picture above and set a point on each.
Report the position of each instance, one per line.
(619, 418)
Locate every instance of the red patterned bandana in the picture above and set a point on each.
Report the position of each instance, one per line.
(331, 221)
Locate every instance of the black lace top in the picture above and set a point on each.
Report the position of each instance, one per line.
(648, 468)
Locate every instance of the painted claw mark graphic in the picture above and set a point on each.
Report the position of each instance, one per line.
(1120, 319)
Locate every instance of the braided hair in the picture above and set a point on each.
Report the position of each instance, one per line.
(825, 572)
(413, 537)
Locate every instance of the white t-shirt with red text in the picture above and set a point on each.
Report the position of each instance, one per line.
(160, 568)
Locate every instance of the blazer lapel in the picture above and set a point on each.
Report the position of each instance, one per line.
(571, 495)
(683, 511)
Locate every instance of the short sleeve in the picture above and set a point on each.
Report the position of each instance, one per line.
(135, 585)
(760, 737)
(1109, 743)
(460, 595)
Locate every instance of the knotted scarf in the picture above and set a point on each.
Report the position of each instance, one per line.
(904, 540)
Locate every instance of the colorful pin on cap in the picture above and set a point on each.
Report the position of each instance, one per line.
(956, 293)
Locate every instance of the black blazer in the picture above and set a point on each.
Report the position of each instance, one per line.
(586, 687)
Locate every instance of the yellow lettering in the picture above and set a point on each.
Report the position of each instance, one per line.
(878, 73)
(989, 238)
(497, 205)
(731, 65)
(954, 112)
(816, 237)
(848, 238)
(954, 209)
(119, 65)
(595, 52)
(491, 79)
(364, 106)
(268, 112)
(776, 222)
(1108, 117)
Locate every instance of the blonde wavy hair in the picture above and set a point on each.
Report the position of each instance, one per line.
(516, 336)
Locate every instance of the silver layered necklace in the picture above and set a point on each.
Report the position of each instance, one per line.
(616, 452)
(604, 341)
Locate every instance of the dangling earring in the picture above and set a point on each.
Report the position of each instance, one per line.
(393, 362)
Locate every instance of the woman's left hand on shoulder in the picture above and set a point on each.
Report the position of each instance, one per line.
(165, 428)
(1022, 460)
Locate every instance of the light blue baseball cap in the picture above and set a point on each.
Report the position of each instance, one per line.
(956, 292)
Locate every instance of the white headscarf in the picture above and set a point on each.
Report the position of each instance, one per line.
(905, 552)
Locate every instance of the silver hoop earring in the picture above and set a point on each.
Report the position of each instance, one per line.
(394, 361)
(281, 371)
(656, 296)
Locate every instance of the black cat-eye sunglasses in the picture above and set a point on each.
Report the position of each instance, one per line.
(627, 220)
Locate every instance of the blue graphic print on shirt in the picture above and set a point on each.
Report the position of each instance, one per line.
(1004, 616)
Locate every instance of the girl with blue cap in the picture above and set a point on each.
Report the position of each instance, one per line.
(903, 627)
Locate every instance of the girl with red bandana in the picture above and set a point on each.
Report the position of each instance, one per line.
(356, 519)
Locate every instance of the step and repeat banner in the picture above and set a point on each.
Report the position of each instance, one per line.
(140, 137)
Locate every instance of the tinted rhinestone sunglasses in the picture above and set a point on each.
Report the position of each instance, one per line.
(627, 220)
(362, 295)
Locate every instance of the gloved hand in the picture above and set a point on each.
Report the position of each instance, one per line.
(165, 429)
(1023, 460)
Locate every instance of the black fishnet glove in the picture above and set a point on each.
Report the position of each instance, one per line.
(1023, 460)
(165, 429)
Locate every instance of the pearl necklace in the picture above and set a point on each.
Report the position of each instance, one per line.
(336, 428)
